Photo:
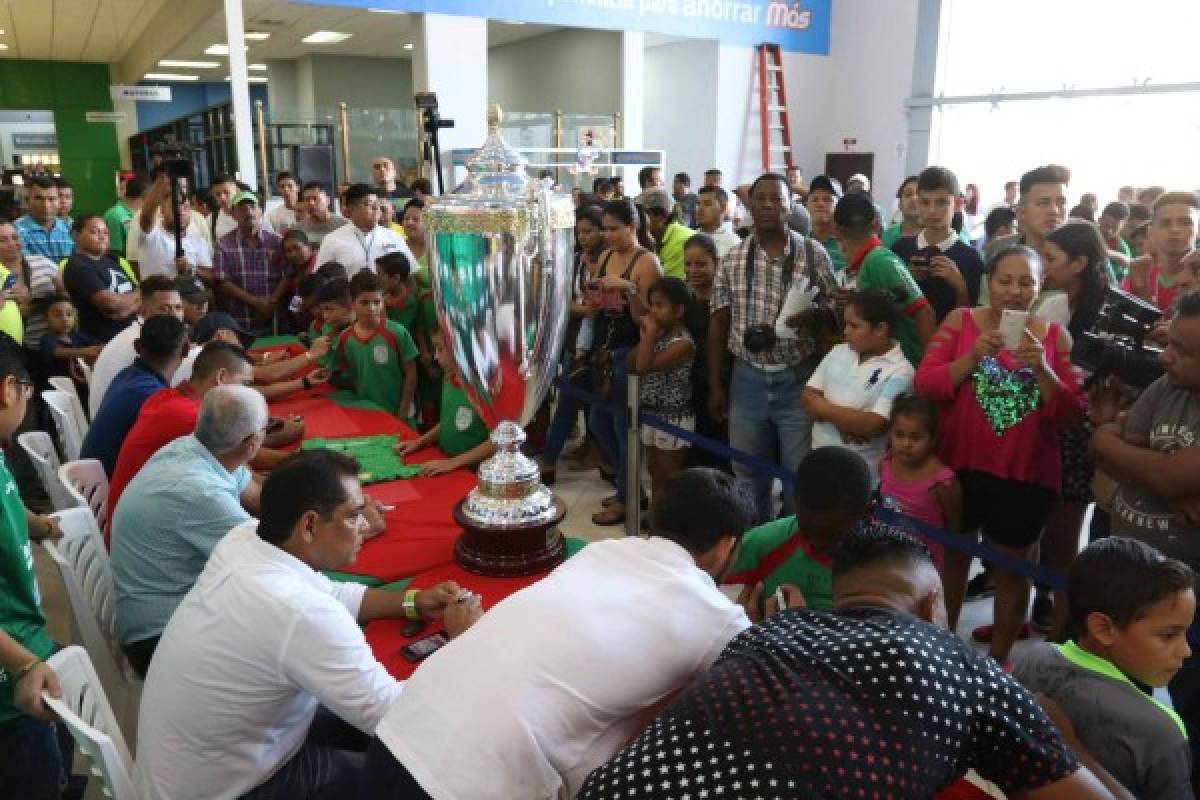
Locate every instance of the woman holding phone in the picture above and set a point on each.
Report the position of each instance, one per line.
(1006, 387)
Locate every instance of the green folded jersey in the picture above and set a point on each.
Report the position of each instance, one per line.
(377, 461)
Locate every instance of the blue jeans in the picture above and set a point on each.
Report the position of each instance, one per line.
(387, 778)
(610, 427)
(766, 420)
(565, 415)
(329, 766)
(33, 759)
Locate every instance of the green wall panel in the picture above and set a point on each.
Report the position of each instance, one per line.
(88, 151)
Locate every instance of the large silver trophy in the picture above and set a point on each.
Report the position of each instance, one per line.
(501, 254)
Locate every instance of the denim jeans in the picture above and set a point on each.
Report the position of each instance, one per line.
(329, 766)
(565, 415)
(609, 427)
(387, 778)
(766, 420)
(33, 759)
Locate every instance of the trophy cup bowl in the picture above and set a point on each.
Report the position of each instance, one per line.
(500, 258)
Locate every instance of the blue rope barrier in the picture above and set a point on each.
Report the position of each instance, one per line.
(1035, 572)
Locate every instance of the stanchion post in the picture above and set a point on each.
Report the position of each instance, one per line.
(264, 187)
(344, 119)
(633, 457)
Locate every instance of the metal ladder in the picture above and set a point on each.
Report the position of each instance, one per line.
(772, 110)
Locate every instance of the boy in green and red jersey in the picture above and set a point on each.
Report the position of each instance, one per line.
(415, 311)
(460, 432)
(31, 762)
(376, 355)
(832, 491)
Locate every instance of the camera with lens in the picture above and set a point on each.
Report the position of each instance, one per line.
(759, 338)
(1116, 344)
(174, 159)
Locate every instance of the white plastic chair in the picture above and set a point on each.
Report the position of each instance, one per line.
(70, 435)
(40, 448)
(87, 485)
(85, 710)
(62, 383)
(87, 575)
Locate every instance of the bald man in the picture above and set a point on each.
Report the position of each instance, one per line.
(872, 698)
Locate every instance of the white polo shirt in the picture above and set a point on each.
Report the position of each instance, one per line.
(871, 385)
(156, 251)
(552, 681)
(254, 647)
(356, 250)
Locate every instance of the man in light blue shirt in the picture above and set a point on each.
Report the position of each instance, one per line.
(187, 496)
(43, 232)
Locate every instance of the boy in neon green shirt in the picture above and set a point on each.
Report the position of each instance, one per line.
(376, 355)
(34, 768)
(832, 492)
(460, 432)
(1131, 607)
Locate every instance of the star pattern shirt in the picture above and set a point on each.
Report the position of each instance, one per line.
(861, 703)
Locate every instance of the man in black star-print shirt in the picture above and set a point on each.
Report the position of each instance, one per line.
(869, 700)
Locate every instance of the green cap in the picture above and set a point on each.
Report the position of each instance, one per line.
(242, 197)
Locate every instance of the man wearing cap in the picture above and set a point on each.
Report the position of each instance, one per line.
(156, 241)
(823, 195)
(248, 269)
(195, 298)
(669, 234)
(159, 296)
(357, 245)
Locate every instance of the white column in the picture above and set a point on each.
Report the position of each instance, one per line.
(450, 58)
(243, 122)
(633, 94)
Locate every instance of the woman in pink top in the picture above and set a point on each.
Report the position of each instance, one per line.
(1001, 413)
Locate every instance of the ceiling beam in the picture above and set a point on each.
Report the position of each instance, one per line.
(170, 26)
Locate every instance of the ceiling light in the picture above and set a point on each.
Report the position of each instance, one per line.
(169, 76)
(408, 46)
(512, 22)
(220, 50)
(375, 11)
(3, 47)
(1, 31)
(326, 37)
(257, 36)
(170, 62)
(257, 67)
(251, 78)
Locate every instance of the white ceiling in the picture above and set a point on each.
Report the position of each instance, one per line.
(73, 30)
(105, 30)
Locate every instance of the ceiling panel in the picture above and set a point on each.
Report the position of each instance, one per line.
(73, 30)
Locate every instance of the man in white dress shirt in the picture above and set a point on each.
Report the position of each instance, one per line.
(230, 707)
(357, 245)
(557, 677)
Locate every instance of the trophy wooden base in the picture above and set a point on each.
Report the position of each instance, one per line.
(510, 552)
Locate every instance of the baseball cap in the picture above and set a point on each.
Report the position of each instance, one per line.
(826, 183)
(863, 179)
(190, 289)
(215, 321)
(242, 197)
(656, 199)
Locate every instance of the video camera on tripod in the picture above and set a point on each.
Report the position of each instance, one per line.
(175, 160)
(431, 123)
(1116, 344)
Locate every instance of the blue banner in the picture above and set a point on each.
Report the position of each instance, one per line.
(800, 26)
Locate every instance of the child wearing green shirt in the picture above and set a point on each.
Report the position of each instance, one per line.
(460, 432)
(31, 763)
(376, 355)
(832, 492)
(405, 305)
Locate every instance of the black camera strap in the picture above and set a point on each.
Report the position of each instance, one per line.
(789, 267)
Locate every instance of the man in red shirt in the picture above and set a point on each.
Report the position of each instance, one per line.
(171, 413)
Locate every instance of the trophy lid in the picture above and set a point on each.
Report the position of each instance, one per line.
(496, 169)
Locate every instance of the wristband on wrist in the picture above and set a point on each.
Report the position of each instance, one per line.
(410, 604)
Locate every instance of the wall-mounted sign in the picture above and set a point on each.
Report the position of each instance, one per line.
(105, 116)
(147, 94)
(35, 141)
(801, 26)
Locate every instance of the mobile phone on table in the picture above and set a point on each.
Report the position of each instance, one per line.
(422, 649)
